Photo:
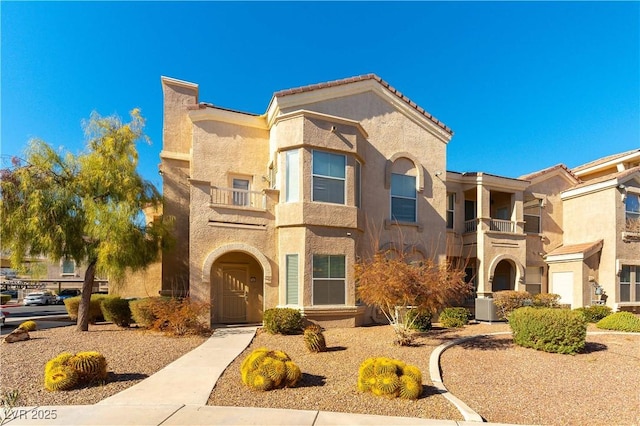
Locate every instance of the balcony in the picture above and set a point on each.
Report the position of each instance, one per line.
(501, 225)
(238, 198)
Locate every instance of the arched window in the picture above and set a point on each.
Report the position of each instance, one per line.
(404, 195)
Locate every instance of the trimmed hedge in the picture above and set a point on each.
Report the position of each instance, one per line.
(594, 313)
(95, 312)
(621, 321)
(116, 310)
(549, 330)
(282, 321)
(419, 320)
(142, 310)
(454, 317)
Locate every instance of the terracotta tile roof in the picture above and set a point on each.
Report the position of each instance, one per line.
(604, 160)
(534, 175)
(576, 248)
(364, 77)
(617, 175)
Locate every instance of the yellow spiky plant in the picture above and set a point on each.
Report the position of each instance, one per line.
(390, 378)
(264, 370)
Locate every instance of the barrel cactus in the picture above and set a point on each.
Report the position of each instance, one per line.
(60, 378)
(314, 339)
(390, 378)
(28, 325)
(264, 370)
(92, 366)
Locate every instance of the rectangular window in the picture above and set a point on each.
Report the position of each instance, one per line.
(292, 186)
(532, 213)
(630, 283)
(451, 202)
(241, 197)
(328, 177)
(632, 212)
(329, 279)
(292, 279)
(533, 279)
(68, 267)
(403, 198)
(358, 186)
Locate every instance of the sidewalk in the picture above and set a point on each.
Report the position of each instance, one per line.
(177, 395)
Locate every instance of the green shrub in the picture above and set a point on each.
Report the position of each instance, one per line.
(116, 310)
(419, 320)
(508, 301)
(282, 321)
(454, 317)
(545, 300)
(28, 326)
(95, 312)
(142, 311)
(551, 330)
(621, 321)
(4, 298)
(594, 313)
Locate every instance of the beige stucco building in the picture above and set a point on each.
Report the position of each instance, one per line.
(274, 209)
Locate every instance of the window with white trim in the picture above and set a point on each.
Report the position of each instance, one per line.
(532, 214)
(328, 177)
(329, 279)
(629, 290)
(68, 267)
(292, 185)
(292, 279)
(404, 198)
(358, 184)
(451, 203)
(632, 212)
(240, 197)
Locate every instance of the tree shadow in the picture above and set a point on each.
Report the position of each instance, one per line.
(591, 347)
(488, 343)
(428, 391)
(311, 380)
(126, 377)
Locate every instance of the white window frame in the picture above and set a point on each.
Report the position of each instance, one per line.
(337, 279)
(241, 196)
(451, 208)
(315, 175)
(292, 176)
(358, 184)
(415, 200)
(631, 216)
(291, 284)
(633, 283)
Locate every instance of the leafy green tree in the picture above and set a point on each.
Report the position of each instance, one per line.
(86, 207)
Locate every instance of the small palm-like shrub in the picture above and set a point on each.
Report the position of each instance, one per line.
(265, 370)
(116, 310)
(28, 326)
(391, 378)
(66, 371)
(551, 330)
(314, 339)
(282, 321)
(95, 312)
(454, 317)
(594, 313)
(621, 321)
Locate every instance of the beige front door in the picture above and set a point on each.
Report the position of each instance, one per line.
(235, 289)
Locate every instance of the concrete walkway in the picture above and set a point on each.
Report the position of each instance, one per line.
(177, 395)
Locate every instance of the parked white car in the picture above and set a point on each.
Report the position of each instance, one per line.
(39, 298)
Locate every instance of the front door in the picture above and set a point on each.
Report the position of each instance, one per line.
(235, 289)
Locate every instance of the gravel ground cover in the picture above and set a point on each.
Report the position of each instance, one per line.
(132, 355)
(502, 382)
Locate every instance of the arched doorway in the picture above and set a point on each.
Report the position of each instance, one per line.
(504, 276)
(236, 275)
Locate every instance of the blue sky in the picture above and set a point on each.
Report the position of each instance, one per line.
(524, 85)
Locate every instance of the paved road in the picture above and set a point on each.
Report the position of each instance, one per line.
(18, 314)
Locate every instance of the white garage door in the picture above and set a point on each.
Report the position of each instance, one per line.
(562, 284)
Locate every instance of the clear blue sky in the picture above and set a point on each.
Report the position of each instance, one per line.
(524, 86)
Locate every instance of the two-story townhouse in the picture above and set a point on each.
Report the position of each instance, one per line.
(600, 249)
(274, 209)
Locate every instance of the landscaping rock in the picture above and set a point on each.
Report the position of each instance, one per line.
(17, 335)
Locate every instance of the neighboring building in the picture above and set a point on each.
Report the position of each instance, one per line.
(274, 209)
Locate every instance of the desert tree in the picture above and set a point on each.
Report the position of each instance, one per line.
(394, 281)
(86, 207)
